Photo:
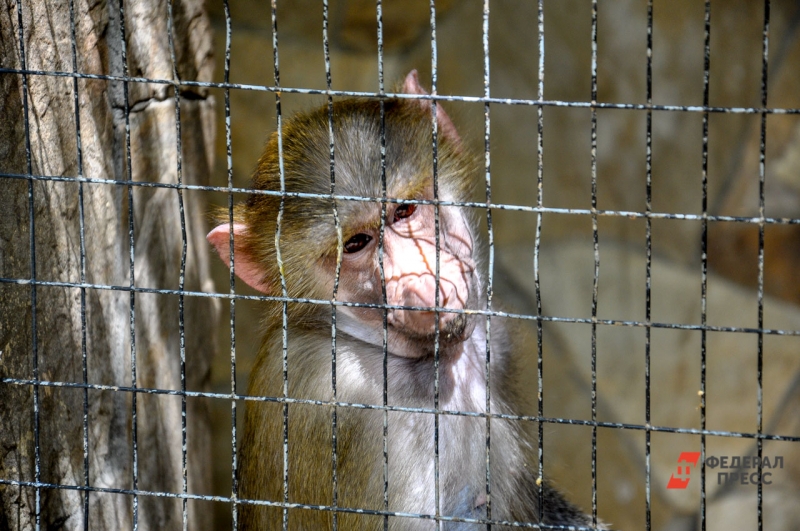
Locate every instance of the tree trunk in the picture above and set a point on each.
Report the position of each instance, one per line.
(65, 334)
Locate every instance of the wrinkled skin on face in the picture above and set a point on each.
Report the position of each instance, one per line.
(409, 265)
(414, 249)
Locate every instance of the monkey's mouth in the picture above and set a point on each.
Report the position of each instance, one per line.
(454, 328)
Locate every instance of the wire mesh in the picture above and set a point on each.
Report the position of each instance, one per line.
(235, 398)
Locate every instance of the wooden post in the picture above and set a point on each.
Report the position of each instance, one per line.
(68, 325)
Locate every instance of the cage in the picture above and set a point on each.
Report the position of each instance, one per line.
(638, 199)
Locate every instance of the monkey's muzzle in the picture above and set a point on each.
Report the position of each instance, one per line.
(417, 291)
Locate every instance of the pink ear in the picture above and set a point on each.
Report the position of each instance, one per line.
(247, 268)
(411, 86)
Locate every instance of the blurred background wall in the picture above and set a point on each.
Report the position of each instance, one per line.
(567, 258)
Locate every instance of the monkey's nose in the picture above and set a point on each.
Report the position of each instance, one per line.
(420, 292)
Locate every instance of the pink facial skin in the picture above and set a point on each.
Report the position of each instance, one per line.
(409, 264)
(409, 267)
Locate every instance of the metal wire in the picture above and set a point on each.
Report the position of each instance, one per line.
(231, 249)
(337, 274)
(132, 270)
(234, 397)
(436, 231)
(182, 274)
(762, 158)
(704, 262)
(629, 214)
(596, 276)
(279, 257)
(82, 232)
(648, 266)
(358, 405)
(399, 95)
(37, 467)
(492, 313)
(382, 271)
(490, 241)
(537, 249)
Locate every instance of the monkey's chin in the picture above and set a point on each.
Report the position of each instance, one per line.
(453, 330)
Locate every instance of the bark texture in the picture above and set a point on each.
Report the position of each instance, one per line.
(45, 326)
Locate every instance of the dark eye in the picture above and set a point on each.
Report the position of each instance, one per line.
(357, 242)
(404, 211)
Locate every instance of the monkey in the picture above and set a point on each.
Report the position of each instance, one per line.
(379, 259)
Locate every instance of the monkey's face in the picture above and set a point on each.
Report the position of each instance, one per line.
(409, 260)
(428, 271)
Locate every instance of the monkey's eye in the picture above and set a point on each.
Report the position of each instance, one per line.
(357, 242)
(404, 211)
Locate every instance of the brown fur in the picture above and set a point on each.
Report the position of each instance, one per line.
(309, 244)
(356, 126)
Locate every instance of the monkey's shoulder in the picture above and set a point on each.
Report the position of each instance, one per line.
(313, 358)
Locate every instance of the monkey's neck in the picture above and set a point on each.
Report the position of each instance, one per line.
(412, 374)
(462, 376)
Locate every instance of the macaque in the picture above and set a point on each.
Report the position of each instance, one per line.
(310, 247)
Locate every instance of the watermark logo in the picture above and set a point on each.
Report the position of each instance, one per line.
(742, 466)
(684, 471)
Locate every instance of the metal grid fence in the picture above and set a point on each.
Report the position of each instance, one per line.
(488, 101)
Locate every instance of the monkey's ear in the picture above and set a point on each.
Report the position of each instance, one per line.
(411, 86)
(247, 268)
